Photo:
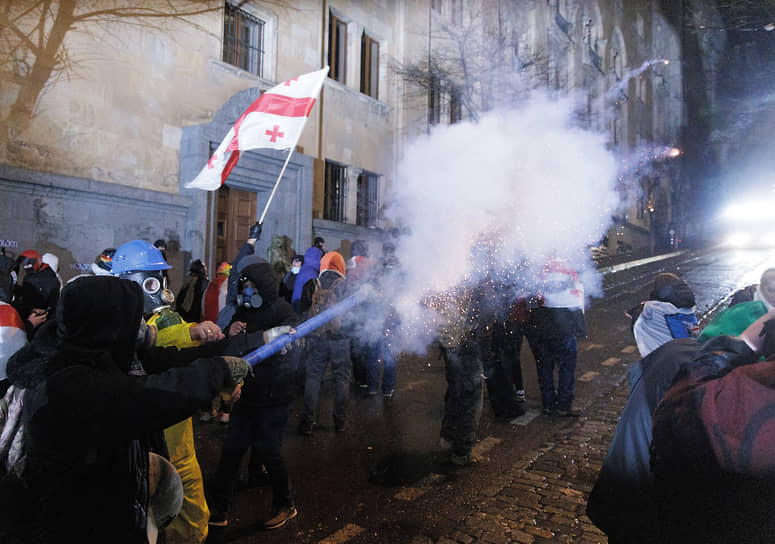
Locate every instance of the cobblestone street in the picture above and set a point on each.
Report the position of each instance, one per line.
(543, 497)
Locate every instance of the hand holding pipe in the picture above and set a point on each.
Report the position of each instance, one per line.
(269, 349)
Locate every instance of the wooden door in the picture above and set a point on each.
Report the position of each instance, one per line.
(236, 213)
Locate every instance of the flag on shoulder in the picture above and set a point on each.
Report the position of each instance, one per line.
(274, 121)
(13, 335)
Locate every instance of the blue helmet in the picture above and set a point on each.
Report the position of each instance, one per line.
(137, 255)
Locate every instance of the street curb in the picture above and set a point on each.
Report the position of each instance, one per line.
(640, 262)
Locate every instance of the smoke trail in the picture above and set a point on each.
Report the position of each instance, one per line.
(614, 91)
(529, 181)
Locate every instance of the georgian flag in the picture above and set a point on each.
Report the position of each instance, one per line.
(12, 334)
(274, 121)
(561, 286)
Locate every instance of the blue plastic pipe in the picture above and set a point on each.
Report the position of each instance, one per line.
(267, 350)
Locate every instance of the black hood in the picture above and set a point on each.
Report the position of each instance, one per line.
(100, 314)
(38, 290)
(262, 275)
(670, 288)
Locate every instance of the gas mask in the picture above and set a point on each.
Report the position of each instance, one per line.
(156, 296)
(248, 296)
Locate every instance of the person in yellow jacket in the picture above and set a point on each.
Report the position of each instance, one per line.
(142, 263)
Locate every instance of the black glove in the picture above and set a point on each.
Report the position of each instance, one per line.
(255, 231)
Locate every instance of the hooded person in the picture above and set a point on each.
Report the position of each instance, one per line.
(260, 415)
(289, 280)
(246, 251)
(87, 473)
(36, 297)
(302, 288)
(327, 344)
(667, 314)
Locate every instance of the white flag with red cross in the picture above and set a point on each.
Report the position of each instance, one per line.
(274, 121)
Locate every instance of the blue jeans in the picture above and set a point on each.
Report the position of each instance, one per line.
(321, 350)
(385, 355)
(558, 352)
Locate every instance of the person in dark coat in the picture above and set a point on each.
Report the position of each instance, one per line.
(621, 503)
(552, 330)
(328, 344)
(189, 300)
(289, 280)
(304, 285)
(35, 298)
(90, 421)
(260, 415)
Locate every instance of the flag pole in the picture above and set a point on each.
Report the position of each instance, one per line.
(276, 184)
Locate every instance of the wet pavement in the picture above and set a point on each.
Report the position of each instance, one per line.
(387, 480)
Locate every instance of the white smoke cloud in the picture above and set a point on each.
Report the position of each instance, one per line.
(530, 177)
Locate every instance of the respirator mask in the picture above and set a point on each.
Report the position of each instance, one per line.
(248, 296)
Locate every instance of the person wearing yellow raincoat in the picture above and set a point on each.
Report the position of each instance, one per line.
(142, 263)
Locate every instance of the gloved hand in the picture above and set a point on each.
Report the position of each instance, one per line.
(239, 369)
(255, 231)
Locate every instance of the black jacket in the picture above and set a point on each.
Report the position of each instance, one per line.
(274, 378)
(622, 502)
(88, 424)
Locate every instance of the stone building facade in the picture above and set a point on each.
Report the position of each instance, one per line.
(109, 112)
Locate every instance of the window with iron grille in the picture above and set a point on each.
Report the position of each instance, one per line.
(368, 189)
(337, 48)
(369, 66)
(243, 40)
(334, 191)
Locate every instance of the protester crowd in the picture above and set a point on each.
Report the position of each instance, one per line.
(100, 379)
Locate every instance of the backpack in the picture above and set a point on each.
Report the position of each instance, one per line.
(12, 455)
(323, 299)
(711, 455)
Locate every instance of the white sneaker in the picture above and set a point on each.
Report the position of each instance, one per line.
(520, 395)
